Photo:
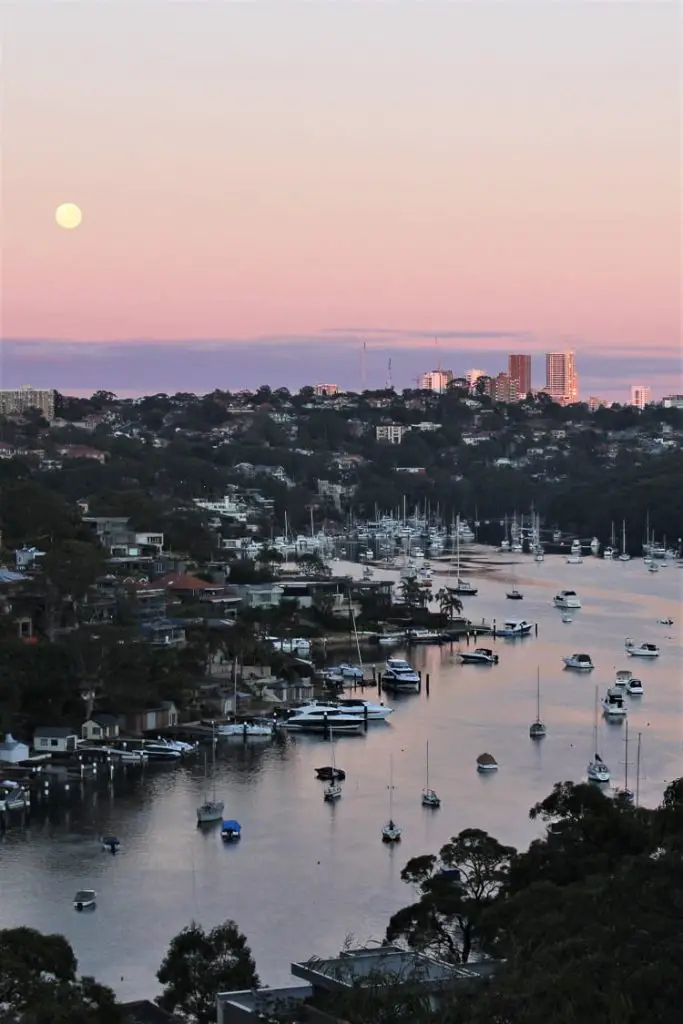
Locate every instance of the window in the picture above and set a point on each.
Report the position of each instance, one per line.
(54, 743)
(96, 731)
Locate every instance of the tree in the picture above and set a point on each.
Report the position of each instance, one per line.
(455, 889)
(73, 566)
(39, 984)
(450, 604)
(199, 964)
(412, 594)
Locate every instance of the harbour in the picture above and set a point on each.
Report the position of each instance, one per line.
(329, 855)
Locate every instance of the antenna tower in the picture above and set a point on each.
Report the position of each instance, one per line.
(390, 382)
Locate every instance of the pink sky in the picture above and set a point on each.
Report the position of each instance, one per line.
(290, 168)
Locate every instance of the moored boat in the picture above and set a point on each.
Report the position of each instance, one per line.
(567, 599)
(645, 650)
(579, 662)
(479, 656)
(85, 899)
(487, 763)
(231, 830)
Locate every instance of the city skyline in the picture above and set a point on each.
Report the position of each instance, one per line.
(252, 192)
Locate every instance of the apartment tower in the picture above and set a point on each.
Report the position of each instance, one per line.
(561, 381)
(640, 396)
(519, 371)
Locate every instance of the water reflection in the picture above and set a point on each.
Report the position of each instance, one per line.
(306, 873)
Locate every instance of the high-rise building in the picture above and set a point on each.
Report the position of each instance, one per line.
(436, 380)
(504, 388)
(17, 400)
(640, 396)
(519, 370)
(561, 381)
(472, 376)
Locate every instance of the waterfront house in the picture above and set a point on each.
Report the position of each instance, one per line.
(261, 595)
(101, 726)
(163, 717)
(55, 739)
(187, 586)
(164, 633)
(287, 690)
(13, 751)
(322, 983)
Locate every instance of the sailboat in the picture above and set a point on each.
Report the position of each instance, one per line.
(210, 810)
(461, 586)
(624, 555)
(627, 792)
(537, 729)
(597, 770)
(514, 594)
(429, 797)
(333, 790)
(391, 833)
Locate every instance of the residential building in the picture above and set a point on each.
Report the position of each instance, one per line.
(55, 739)
(472, 376)
(519, 371)
(15, 401)
(435, 380)
(504, 388)
(163, 717)
(101, 726)
(598, 403)
(640, 396)
(673, 402)
(561, 381)
(326, 390)
(393, 433)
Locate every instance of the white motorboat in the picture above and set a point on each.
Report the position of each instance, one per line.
(653, 567)
(487, 763)
(479, 656)
(645, 650)
(391, 639)
(579, 662)
(399, 675)
(322, 719)
(351, 706)
(574, 560)
(597, 770)
(634, 687)
(429, 797)
(567, 599)
(514, 628)
(391, 833)
(623, 677)
(295, 645)
(613, 703)
(575, 548)
(85, 899)
(161, 750)
(423, 636)
(609, 553)
(247, 730)
(348, 671)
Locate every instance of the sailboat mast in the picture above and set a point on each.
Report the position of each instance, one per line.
(640, 735)
(538, 694)
(427, 786)
(626, 757)
(595, 725)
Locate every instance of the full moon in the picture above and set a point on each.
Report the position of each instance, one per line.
(68, 215)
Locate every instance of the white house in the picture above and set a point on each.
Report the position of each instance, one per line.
(55, 739)
(101, 726)
(12, 751)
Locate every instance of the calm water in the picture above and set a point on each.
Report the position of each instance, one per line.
(307, 874)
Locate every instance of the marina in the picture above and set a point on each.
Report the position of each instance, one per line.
(329, 853)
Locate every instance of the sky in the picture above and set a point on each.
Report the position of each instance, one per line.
(266, 185)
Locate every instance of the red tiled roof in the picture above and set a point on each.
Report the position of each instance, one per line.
(182, 581)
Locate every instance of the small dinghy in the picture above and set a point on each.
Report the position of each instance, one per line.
(231, 831)
(328, 773)
(85, 899)
(111, 843)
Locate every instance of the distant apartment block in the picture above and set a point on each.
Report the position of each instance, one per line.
(519, 371)
(392, 433)
(472, 376)
(561, 380)
(598, 403)
(325, 390)
(435, 380)
(18, 400)
(640, 396)
(673, 402)
(503, 388)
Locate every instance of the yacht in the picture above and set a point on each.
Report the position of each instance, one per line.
(391, 639)
(463, 588)
(350, 706)
(575, 548)
(347, 671)
(85, 899)
(161, 750)
(537, 729)
(642, 650)
(479, 656)
(514, 627)
(514, 595)
(211, 809)
(623, 677)
(322, 719)
(634, 687)
(400, 675)
(579, 662)
(391, 833)
(597, 770)
(429, 796)
(423, 636)
(574, 560)
(567, 599)
(296, 645)
(613, 703)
